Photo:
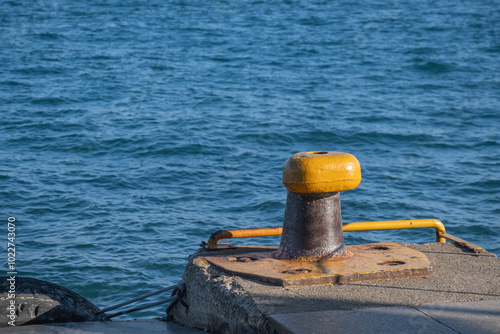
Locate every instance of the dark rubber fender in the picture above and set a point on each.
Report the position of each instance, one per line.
(39, 302)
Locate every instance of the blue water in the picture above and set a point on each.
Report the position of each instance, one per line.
(132, 130)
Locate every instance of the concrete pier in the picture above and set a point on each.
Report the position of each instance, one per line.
(462, 295)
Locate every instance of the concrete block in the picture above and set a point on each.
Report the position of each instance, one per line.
(475, 317)
(372, 320)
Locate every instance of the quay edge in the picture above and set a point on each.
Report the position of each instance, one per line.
(313, 271)
(223, 303)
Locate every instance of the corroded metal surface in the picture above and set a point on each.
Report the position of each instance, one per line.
(371, 261)
(461, 242)
(312, 228)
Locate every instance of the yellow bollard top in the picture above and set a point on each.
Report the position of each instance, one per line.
(321, 172)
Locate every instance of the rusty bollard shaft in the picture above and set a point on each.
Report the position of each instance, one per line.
(312, 224)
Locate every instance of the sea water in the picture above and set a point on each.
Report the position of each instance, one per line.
(132, 130)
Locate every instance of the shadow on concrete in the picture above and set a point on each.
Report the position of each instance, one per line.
(428, 290)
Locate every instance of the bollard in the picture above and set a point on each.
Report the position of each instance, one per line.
(312, 249)
(312, 224)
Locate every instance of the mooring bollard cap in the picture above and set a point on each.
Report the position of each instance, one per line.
(321, 172)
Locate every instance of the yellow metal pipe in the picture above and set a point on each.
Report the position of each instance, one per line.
(398, 225)
(347, 227)
(244, 233)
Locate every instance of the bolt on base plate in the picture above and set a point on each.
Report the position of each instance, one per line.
(369, 262)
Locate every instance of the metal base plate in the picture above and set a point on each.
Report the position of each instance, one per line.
(370, 261)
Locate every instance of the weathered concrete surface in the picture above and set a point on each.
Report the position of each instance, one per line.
(217, 302)
(367, 320)
(476, 317)
(153, 326)
(222, 303)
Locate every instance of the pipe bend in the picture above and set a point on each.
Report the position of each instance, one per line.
(218, 235)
